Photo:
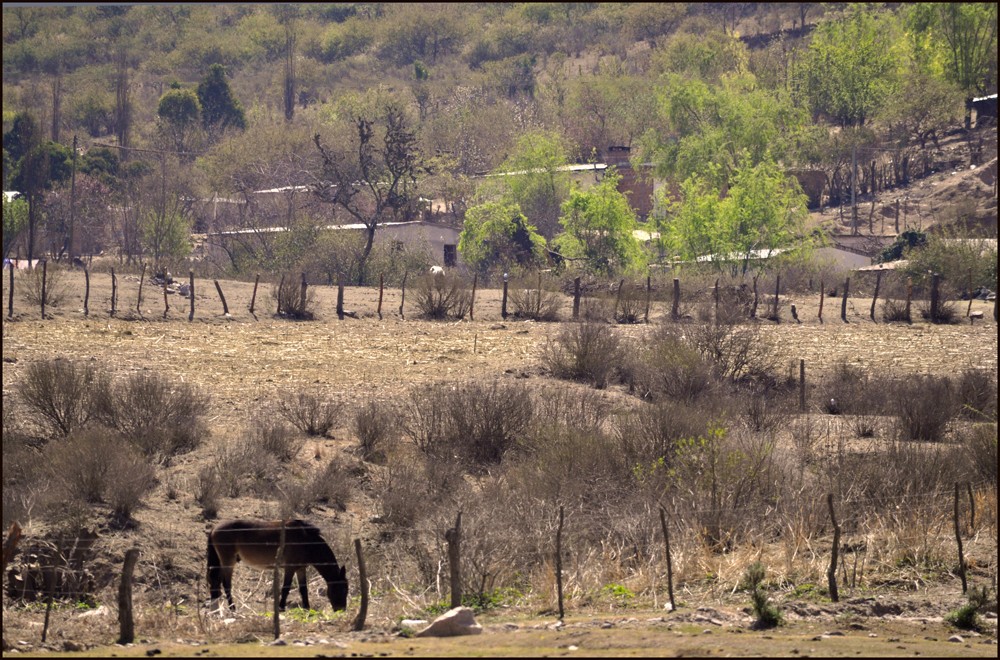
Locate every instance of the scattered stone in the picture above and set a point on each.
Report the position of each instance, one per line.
(151, 652)
(956, 638)
(72, 646)
(834, 633)
(278, 642)
(457, 621)
(412, 623)
(607, 624)
(572, 648)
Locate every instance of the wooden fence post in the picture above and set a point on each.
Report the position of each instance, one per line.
(935, 297)
(576, 298)
(472, 298)
(86, 292)
(503, 302)
(340, 296)
(821, 292)
(402, 296)
(281, 288)
(675, 309)
(972, 507)
(191, 287)
(670, 566)
(166, 303)
(831, 573)
(968, 310)
(756, 298)
(559, 584)
(649, 292)
(618, 299)
(359, 620)
(10, 293)
(958, 538)
(50, 587)
(843, 303)
(909, 298)
(802, 385)
(381, 285)
(878, 283)
(795, 313)
(138, 301)
(777, 287)
(716, 300)
(253, 298)
(302, 294)
(45, 263)
(225, 307)
(126, 625)
(275, 589)
(454, 538)
(114, 292)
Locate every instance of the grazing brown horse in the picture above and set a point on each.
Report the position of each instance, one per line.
(256, 543)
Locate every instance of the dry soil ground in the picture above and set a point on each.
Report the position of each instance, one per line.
(241, 360)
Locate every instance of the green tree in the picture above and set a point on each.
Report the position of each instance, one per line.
(497, 235)
(219, 108)
(763, 213)
(166, 233)
(851, 65)
(373, 179)
(180, 111)
(15, 219)
(599, 226)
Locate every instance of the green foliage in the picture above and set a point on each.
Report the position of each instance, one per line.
(910, 238)
(965, 34)
(598, 226)
(15, 220)
(763, 213)
(852, 64)
(219, 108)
(768, 616)
(963, 262)
(618, 593)
(967, 616)
(498, 236)
(166, 234)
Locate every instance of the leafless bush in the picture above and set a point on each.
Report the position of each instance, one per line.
(24, 479)
(442, 296)
(651, 431)
(894, 311)
(736, 352)
(631, 303)
(764, 409)
(852, 391)
(243, 465)
(668, 365)
(376, 426)
(333, 485)
(274, 437)
(977, 394)
(287, 293)
(60, 393)
(980, 445)
(55, 285)
(208, 491)
(569, 404)
(97, 465)
(535, 298)
(309, 412)
(947, 312)
(402, 493)
(161, 418)
(589, 351)
(477, 423)
(924, 406)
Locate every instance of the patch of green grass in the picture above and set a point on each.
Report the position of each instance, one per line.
(479, 603)
(967, 616)
(619, 593)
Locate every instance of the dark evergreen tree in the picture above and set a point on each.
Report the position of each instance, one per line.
(219, 108)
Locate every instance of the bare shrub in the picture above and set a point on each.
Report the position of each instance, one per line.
(287, 293)
(569, 404)
(924, 406)
(852, 391)
(980, 445)
(161, 418)
(947, 312)
(764, 409)
(333, 485)
(55, 285)
(669, 366)
(97, 465)
(631, 303)
(442, 296)
(402, 493)
(24, 478)
(894, 311)
(376, 426)
(535, 298)
(243, 465)
(60, 393)
(589, 351)
(977, 394)
(736, 352)
(309, 412)
(208, 491)
(476, 423)
(650, 432)
(274, 437)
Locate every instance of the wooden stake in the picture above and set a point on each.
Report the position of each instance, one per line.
(166, 303)
(675, 309)
(802, 385)
(454, 538)
(359, 620)
(670, 566)
(503, 302)
(777, 288)
(114, 292)
(340, 297)
(191, 285)
(222, 297)
(649, 292)
(559, 584)
(253, 298)
(472, 298)
(138, 301)
(831, 573)
(10, 293)
(45, 263)
(86, 292)
(381, 284)
(843, 303)
(125, 623)
(821, 291)
(972, 507)
(50, 587)
(402, 297)
(958, 538)
(281, 287)
(878, 283)
(576, 298)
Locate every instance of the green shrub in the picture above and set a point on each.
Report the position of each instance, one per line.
(967, 616)
(768, 616)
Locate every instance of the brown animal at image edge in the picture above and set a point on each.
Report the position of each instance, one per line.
(257, 542)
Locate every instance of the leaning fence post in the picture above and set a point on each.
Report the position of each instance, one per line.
(359, 621)
(843, 303)
(675, 310)
(831, 573)
(225, 307)
(402, 297)
(10, 293)
(670, 566)
(958, 538)
(972, 507)
(253, 298)
(454, 538)
(125, 622)
(191, 287)
(86, 292)
(821, 292)
(559, 585)
(576, 298)
(114, 292)
(138, 301)
(381, 286)
(878, 283)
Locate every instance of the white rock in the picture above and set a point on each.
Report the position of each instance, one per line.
(454, 622)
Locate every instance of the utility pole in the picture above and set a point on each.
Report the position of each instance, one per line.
(854, 190)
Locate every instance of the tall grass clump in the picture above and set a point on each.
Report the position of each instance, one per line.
(288, 295)
(309, 412)
(589, 351)
(924, 406)
(442, 296)
(376, 426)
(535, 299)
(967, 616)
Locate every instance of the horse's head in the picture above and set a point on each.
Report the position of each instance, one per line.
(336, 590)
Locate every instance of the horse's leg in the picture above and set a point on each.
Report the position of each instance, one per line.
(227, 583)
(303, 587)
(286, 586)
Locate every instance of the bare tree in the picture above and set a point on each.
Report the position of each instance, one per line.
(377, 182)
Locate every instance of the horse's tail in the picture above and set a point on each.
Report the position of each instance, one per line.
(214, 572)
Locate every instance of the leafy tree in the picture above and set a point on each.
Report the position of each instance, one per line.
(219, 108)
(851, 65)
(702, 56)
(498, 235)
(763, 212)
(180, 111)
(599, 225)
(374, 179)
(15, 219)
